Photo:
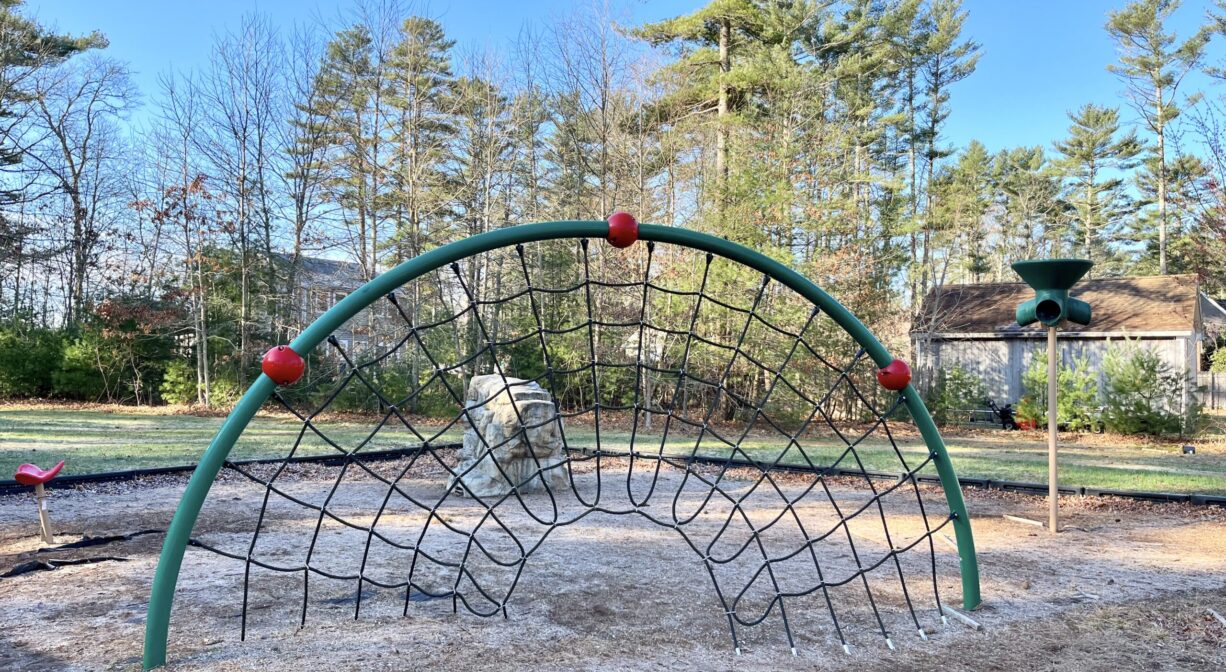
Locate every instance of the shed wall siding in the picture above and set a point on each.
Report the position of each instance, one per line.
(1000, 363)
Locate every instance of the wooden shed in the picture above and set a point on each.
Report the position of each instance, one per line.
(972, 326)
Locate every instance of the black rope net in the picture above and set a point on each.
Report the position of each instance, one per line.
(686, 389)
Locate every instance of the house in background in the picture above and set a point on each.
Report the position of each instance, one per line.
(973, 327)
(320, 284)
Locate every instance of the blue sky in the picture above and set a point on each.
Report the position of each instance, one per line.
(1040, 58)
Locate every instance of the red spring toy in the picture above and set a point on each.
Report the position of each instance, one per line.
(623, 229)
(283, 365)
(894, 376)
(30, 474)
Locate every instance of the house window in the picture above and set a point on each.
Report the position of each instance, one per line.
(321, 299)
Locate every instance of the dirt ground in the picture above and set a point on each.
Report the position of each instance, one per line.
(1124, 587)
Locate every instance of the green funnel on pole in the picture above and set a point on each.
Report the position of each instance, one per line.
(1051, 280)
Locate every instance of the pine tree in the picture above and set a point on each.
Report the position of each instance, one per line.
(962, 195)
(479, 174)
(1034, 216)
(1154, 66)
(726, 51)
(26, 48)
(421, 96)
(1189, 187)
(568, 187)
(1208, 239)
(947, 59)
(1091, 153)
(529, 118)
(348, 86)
(479, 154)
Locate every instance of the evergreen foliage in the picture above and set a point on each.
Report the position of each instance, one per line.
(814, 132)
(1142, 392)
(1077, 395)
(27, 360)
(955, 394)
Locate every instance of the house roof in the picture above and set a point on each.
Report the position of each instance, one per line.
(1125, 305)
(342, 270)
(332, 273)
(1213, 314)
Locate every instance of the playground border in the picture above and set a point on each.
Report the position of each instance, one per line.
(71, 481)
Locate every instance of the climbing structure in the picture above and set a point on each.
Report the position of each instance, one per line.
(695, 384)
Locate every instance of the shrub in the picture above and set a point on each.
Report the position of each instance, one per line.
(85, 371)
(224, 390)
(179, 383)
(1217, 362)
(1142, 392)
(28, 361)
(357, 397)
(1076, 394)
(395, 381)
(955, 390)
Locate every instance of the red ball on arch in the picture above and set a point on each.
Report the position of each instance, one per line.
(894, 376)
(623, 229)
(283, 365)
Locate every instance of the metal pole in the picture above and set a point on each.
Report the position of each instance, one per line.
(1053, 488)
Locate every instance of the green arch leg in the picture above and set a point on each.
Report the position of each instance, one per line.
(157, 622)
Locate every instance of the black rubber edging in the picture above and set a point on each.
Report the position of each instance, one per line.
(751, 464)
(1148, 496)
(10, 486)
(70, 481)
(1209, 500)
(985, 483)
(1035, 488)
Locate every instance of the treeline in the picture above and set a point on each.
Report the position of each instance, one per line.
(165, 256)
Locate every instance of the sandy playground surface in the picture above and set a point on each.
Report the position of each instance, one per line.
(1125, 587)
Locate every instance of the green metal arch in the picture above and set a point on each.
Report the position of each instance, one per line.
(158, 620)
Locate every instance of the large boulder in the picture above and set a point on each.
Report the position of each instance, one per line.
(512, 439)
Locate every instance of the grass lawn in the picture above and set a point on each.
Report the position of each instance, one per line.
(95, 441)
(1008, 456)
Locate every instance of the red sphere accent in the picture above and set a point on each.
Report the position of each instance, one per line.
(283, 365)
(894, 376)
(623, 229)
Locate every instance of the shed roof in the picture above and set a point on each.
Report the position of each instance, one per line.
(1125, 305)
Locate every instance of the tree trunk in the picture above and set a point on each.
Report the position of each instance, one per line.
(1161, 184)
(913, 195)
(721, 123)
(202, 339)
(1089, 223)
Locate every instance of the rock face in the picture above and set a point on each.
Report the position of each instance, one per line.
(496, 443)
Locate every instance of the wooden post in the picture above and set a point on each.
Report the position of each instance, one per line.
(1053, 488)
(44, 521)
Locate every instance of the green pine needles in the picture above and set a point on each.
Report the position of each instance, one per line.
(1133, 391)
